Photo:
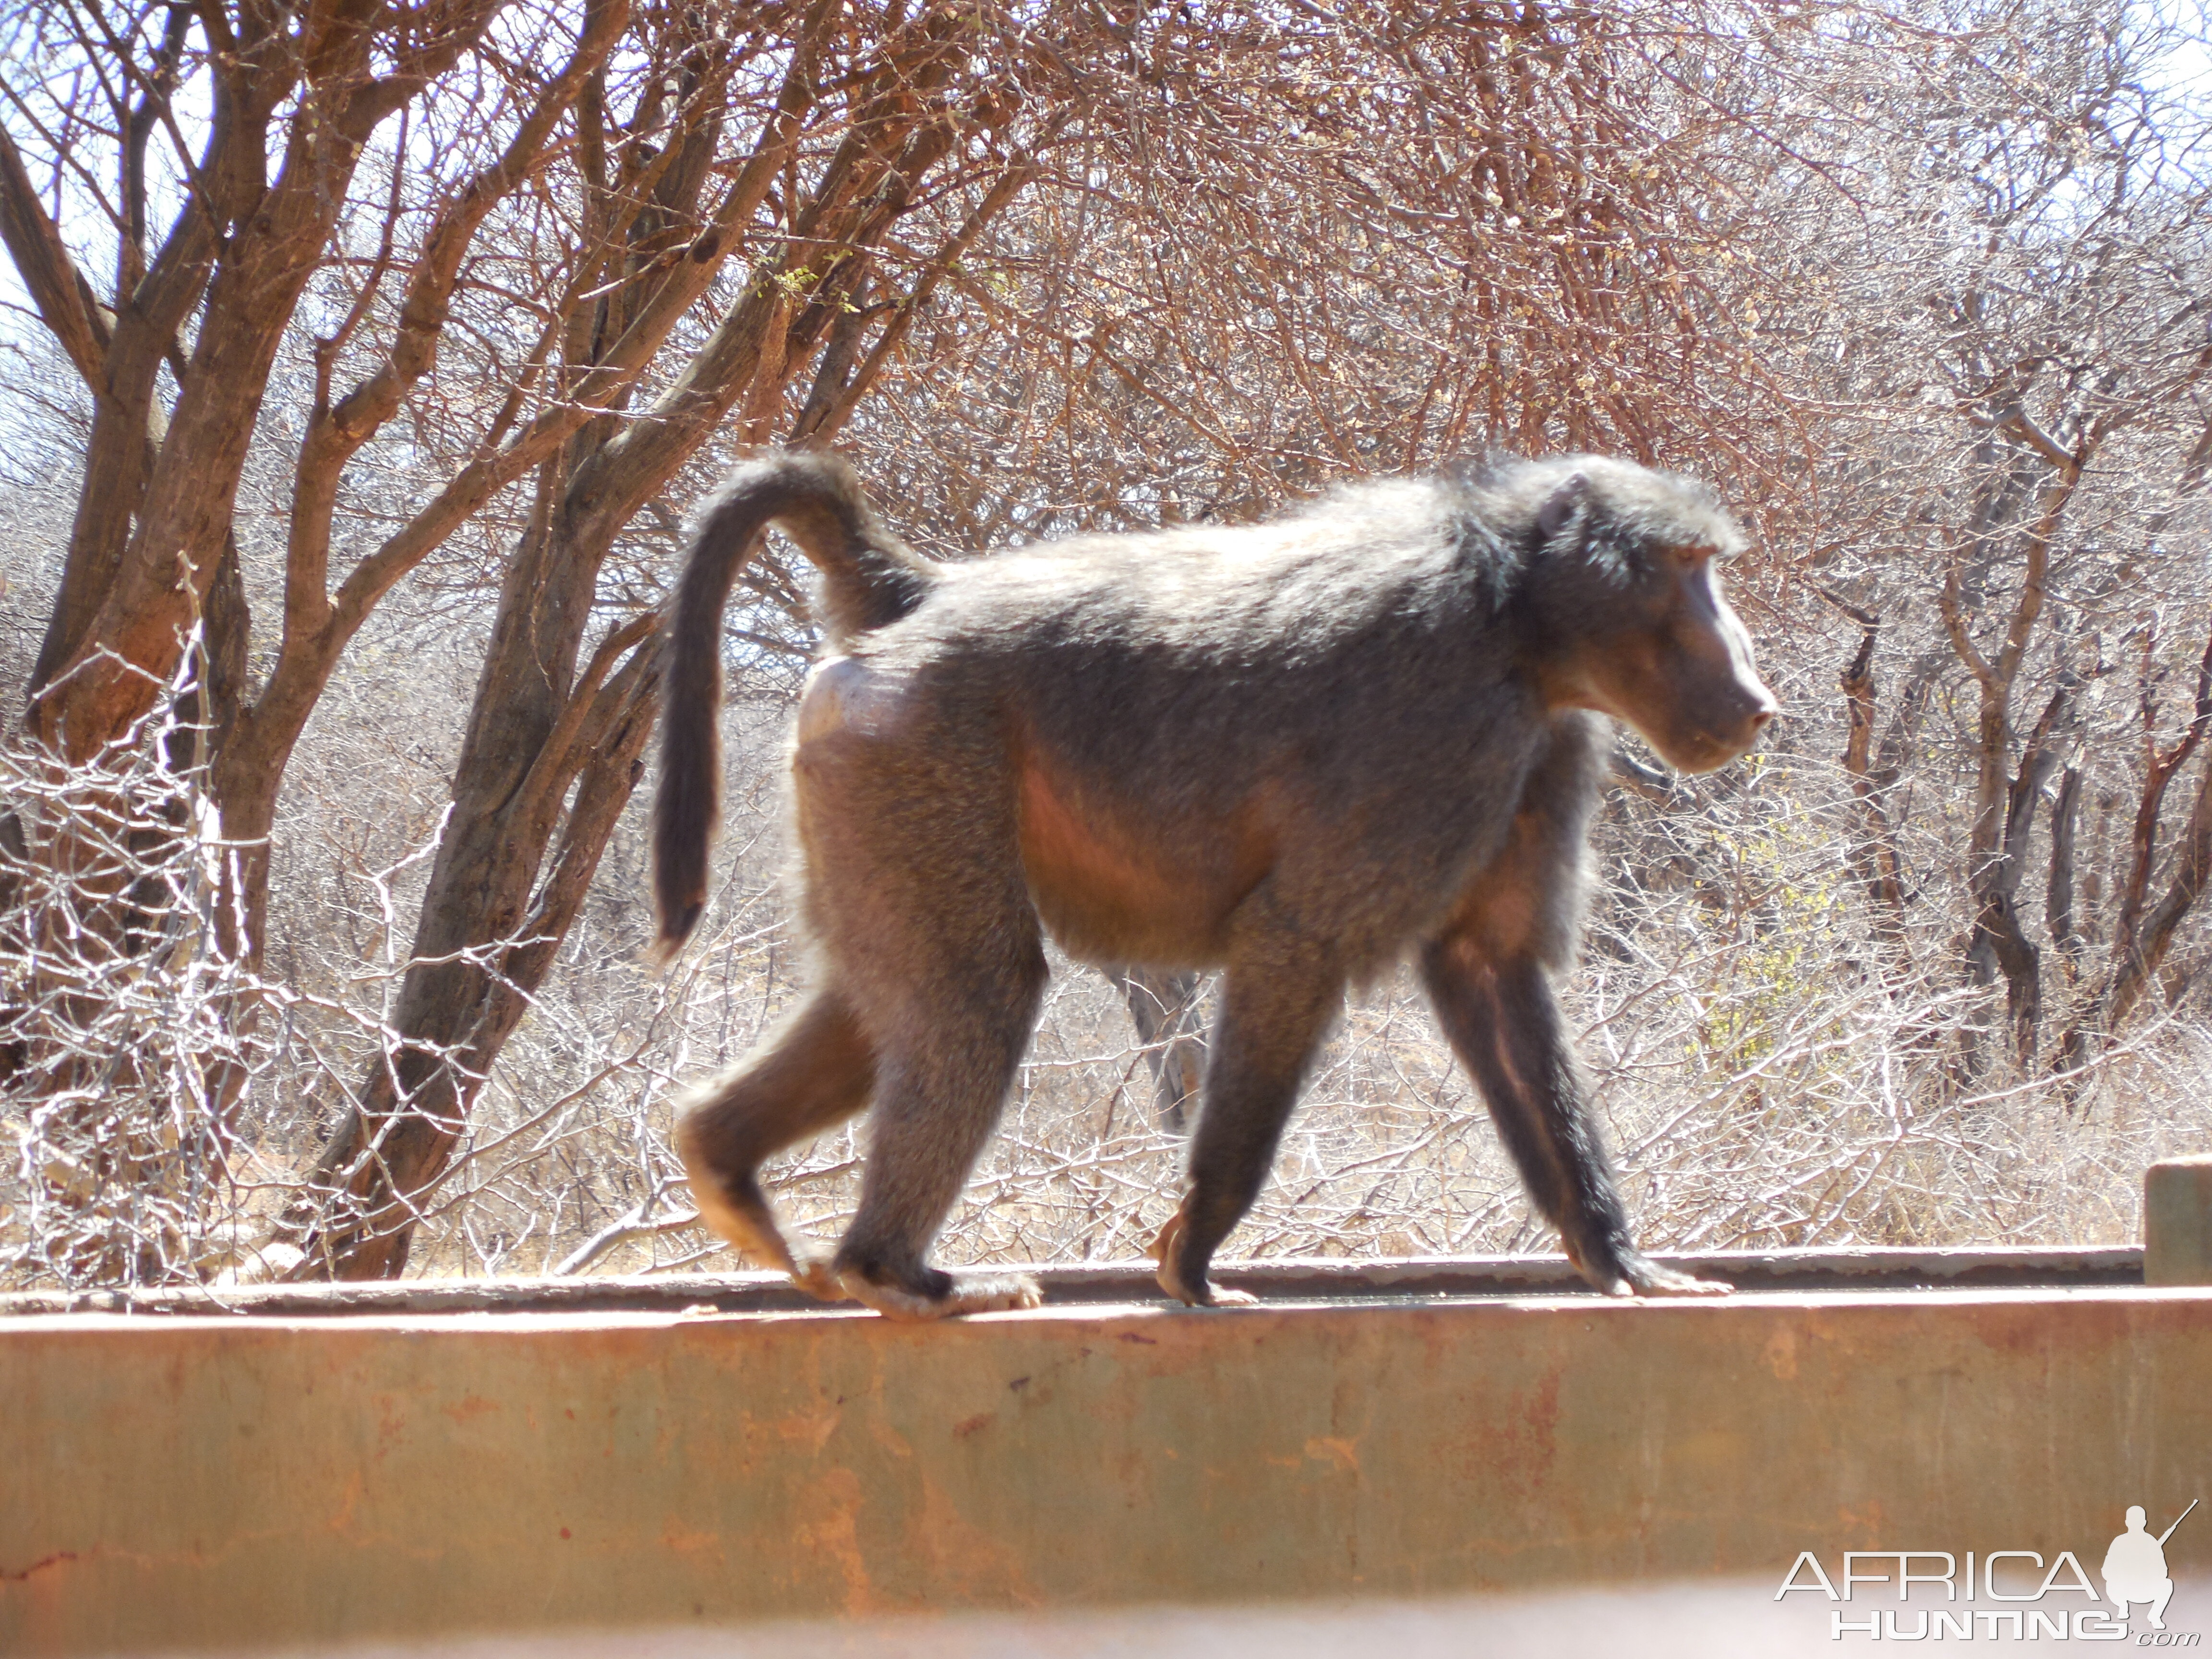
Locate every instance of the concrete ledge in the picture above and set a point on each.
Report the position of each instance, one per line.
(1350, 1279)
(198, 1480)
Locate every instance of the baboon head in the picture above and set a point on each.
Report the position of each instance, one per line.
(1630, 600)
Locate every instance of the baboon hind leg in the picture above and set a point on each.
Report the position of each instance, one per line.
(938, 1096)
(814, 1072)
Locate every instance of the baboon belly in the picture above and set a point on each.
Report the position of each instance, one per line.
(1113, 895)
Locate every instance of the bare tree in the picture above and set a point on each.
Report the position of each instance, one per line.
(411, 334)
(552, 752)
(2006, 334)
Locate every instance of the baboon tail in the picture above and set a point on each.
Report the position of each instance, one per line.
(871, 578)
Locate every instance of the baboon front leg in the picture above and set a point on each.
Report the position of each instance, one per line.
(1270, 1022)
(815, 1072)
(939, 1098)
(1504, 1020)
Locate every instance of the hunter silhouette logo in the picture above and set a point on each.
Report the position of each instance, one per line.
(2017, 1581)
(2135, 1566)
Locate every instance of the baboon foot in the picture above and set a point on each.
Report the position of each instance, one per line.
(1632, 1273)
(736, 1211)
(812, 1274)
(1194, 1289)
(972, 1294)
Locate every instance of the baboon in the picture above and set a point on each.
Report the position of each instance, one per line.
(1299, 752)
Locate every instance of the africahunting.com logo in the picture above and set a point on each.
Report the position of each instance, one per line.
(2002, 1595)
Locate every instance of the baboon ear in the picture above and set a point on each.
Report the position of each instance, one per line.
(1552, 518)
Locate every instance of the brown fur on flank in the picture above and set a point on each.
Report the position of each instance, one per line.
(1298, 751)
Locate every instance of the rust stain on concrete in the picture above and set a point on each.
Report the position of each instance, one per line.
(829, 1531)
(1341, 1453)
(1780, 1355)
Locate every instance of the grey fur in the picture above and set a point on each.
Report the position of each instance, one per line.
(1297, 750)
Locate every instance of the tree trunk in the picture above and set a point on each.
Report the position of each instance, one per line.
(2004, 801)
(1999, 943)
(2058, 892)
(481, 944)
(2139, 946)
(1873, 846)
(485, 941)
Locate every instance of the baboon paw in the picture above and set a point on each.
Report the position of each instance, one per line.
(814, 1275)
(736, 1213)
(1638, 1275)
(983, 1293)
(1203, 1295)
(1164, 1249)
(890, 1300)
(995, 1293)
(751, 1236)
(1220, 1295)
(723, 1220)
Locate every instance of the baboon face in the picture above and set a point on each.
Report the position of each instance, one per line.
(1674, 662)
